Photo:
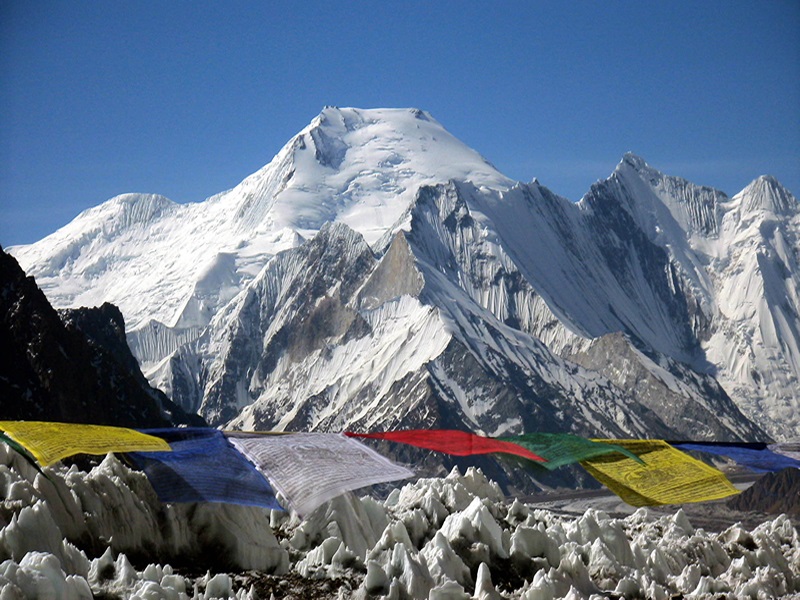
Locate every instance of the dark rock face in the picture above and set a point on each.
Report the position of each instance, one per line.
(774, 493)
(78, 369)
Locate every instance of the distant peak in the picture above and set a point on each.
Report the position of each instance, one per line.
(638, 165)
(767, 193)
(769, 181)
(766, 183)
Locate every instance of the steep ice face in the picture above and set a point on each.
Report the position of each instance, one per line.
(143, 253)
(736, 261)
(316, 350)
(328, 337)
(756, 341)
(464, 246)
(654, 197)
(731, 264)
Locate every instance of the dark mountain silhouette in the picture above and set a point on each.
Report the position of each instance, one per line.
(72, 366)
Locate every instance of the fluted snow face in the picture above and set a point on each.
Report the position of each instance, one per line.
(488, 273)
(747, 278)
(734, 261)
(756, 341)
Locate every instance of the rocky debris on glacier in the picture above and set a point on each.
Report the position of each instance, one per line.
(102, 533)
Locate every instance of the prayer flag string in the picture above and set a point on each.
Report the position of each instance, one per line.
(307, 469)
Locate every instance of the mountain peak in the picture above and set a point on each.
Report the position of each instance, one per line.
(486, 273)
(362, 167)
(654, 199)
(336, 112)
(642, 169)
(338, 122)
(767, 194)
(632, 164)
(635, 161)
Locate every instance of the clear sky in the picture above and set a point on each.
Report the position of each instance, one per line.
(186, 99)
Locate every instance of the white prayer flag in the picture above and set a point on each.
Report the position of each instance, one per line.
(309, 469)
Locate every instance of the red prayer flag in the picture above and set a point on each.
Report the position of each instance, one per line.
(451, 441)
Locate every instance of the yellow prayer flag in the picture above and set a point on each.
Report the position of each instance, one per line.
(668, 476)
(50, 442)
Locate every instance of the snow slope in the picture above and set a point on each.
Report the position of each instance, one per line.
(449, 292)
(155, 259)
(737, 261)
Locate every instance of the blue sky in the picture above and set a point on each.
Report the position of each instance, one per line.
(185, 99)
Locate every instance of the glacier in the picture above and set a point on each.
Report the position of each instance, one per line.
(77, 534)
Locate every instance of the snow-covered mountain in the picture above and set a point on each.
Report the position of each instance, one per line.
(379, 273)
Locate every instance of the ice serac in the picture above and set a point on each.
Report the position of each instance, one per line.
(379, 273)
(75, 534)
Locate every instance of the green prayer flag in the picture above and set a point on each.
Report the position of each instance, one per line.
(560, 449)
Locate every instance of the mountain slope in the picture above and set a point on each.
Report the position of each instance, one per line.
(71, 367)
(444, 292)
(330, 337)
(737, 262)
(696, 406)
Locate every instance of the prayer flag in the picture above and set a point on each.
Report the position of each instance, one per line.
(668, 476)
(309, 469)
(203, 467)
(21, 451)
(451, 441)
(560, 449)
(757, 457)
(50, 442)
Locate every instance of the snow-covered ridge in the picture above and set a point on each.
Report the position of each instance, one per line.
(144, 253)
(78, 534)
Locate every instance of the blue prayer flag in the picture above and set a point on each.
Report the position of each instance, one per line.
(203, 467)
(756, 456)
